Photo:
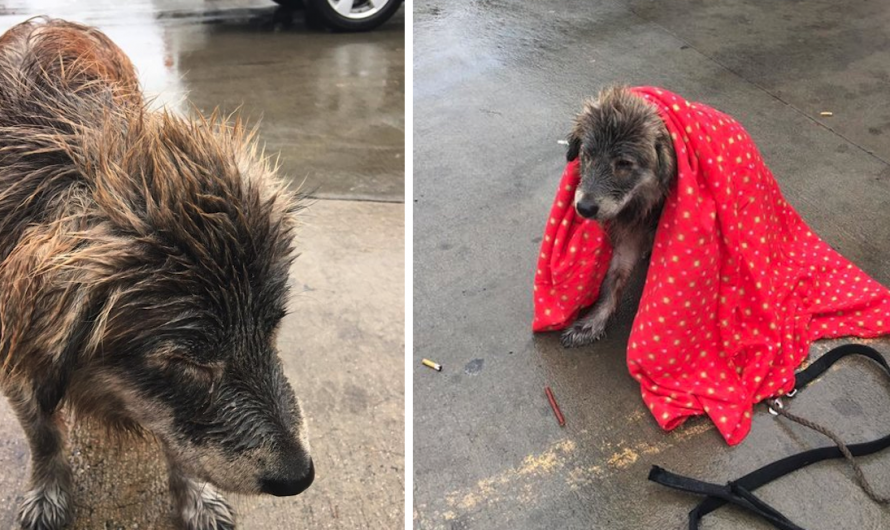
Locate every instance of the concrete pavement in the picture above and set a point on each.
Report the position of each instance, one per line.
(496, 86)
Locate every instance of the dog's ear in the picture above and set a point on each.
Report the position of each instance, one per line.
(583, 121)
(664, 151)
(574, 140)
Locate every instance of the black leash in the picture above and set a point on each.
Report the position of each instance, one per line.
(738, 492)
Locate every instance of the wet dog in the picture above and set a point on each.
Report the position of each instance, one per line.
(144, 262)
(628, 165)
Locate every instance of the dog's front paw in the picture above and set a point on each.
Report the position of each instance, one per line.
(581, 334)
(206, 509)
(45, 508)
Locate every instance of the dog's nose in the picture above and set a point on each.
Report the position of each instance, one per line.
(287, 486)
(587, 209)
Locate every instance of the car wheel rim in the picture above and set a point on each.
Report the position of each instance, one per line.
(358, 9)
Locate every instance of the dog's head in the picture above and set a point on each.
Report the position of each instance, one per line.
(627, 160)
(191, 283)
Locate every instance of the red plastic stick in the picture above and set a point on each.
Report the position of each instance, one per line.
(554, 406)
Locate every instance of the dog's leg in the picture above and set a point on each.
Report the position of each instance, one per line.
(47, 505)
(198, 505)
(625, 255)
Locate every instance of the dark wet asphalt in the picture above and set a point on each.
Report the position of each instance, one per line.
(333, 104)
(496, 84)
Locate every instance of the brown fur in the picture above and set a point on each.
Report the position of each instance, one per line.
(143, 268)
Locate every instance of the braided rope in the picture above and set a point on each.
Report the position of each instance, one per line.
(777, 407)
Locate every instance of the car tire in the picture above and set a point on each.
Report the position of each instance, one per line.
(325, 12)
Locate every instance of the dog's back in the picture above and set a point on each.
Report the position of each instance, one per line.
(55, 77)
(69, 56)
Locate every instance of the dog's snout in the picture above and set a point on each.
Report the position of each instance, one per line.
(287, 486)
(586, 208)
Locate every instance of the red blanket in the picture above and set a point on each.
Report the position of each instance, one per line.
(738, 285)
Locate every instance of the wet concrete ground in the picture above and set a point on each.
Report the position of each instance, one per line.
(333, 106)
(496, 85)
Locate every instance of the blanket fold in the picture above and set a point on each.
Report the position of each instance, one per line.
(738, 285)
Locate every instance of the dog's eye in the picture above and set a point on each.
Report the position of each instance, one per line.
(204, 373)
(624, 164)
(208, 371)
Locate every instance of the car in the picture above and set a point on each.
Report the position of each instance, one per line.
(346, 15)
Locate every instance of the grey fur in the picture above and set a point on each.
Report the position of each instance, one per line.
(628, 166)
(198, 505)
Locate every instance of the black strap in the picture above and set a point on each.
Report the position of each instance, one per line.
(818, 367)
(738, 492)
(730, 493)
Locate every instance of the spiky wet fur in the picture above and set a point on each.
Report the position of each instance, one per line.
(144, 261)
(619, 126)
